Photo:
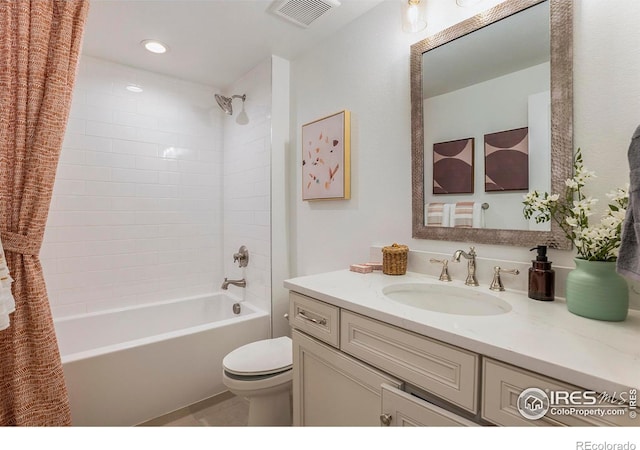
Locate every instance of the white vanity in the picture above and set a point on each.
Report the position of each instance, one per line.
(361, 358)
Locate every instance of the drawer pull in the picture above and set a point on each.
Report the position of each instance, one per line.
(385, 419)
(303, 315)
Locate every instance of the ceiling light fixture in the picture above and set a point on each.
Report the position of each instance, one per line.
(154, 46)
(414, 16)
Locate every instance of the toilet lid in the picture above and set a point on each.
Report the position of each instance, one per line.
(260, 358)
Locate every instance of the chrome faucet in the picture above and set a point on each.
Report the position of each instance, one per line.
(240, 283)
(471, 265)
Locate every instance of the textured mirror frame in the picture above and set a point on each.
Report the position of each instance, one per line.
(561, 18)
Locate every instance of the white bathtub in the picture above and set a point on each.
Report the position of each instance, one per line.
(123, 367)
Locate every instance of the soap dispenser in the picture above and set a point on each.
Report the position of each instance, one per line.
(542, 278)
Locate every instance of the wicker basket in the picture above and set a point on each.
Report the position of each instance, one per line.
(394, 259)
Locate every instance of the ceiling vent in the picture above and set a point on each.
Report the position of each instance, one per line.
(303, 12)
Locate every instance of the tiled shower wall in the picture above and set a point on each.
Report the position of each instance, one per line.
(136, 211)
(247, 165)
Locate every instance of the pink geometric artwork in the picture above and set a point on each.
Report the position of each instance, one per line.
(453, 167)
(506, 160)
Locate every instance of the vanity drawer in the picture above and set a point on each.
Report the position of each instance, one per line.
(441, 369)
(315, 318)
(400, 409)
(503, 384)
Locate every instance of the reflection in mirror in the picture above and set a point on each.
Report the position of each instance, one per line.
(485, 129)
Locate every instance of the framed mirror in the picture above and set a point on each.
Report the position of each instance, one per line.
(492, 119)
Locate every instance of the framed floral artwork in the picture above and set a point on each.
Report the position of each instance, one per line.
(326, 158)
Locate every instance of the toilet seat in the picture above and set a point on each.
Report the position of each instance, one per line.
(260, 359)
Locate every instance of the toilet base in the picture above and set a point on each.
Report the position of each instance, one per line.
(272, 410)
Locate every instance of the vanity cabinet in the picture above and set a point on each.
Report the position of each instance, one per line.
(352, 370)
(360, 380)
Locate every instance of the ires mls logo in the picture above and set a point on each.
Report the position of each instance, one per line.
(535, 403)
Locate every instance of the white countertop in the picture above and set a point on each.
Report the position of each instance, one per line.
(543, 337)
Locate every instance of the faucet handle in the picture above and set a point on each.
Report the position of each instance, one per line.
(242, 257)
(444, 275)
(496, 283)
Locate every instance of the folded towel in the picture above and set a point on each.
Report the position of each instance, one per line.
(463, 215)
(446, 215)
(434, 214)
(478, 215)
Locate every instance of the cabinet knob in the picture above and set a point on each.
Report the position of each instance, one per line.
(286, 316)
(385, 419)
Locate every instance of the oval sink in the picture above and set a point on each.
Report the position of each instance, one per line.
(446, 299)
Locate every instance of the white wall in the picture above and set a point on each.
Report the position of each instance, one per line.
(135, 215)
(247, 165)
(365, 68)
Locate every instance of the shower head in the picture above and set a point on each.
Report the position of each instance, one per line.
(225, 102)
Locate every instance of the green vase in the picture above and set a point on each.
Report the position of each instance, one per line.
(595, 290)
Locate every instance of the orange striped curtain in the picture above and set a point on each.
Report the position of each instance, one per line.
(39, 49)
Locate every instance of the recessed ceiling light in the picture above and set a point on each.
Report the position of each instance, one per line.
(154, 46)
(133, 88)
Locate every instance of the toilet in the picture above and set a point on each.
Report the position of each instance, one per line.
(262, 373)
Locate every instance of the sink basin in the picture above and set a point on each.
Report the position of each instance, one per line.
(447, 299)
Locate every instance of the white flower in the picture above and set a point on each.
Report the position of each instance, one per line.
(598, 242)
(571, 183)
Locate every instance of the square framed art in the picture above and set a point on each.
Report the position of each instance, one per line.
(326, 156)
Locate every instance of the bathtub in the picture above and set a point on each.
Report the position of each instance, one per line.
(123, 367)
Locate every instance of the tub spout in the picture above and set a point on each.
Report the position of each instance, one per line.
(240, 283)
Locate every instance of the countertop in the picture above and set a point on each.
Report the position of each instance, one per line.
(543, 337)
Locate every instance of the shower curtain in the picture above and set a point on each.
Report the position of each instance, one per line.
(39, 48)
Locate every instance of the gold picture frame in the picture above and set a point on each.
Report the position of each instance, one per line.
(326, 154)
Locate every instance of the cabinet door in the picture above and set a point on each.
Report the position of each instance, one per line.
(333, 389)
(400, 409)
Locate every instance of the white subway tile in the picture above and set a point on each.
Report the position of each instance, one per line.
(80, 203)
(76, 125)
(134, 176)
(84, 142)
(159, 164)
(69, 187)
(110, 130)
(134, 120)
(156, 137)
(135, 148)
(81, 172)
(100, 188)
(110, 160)
(115, 247)
(169, 178)
(72, 156)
